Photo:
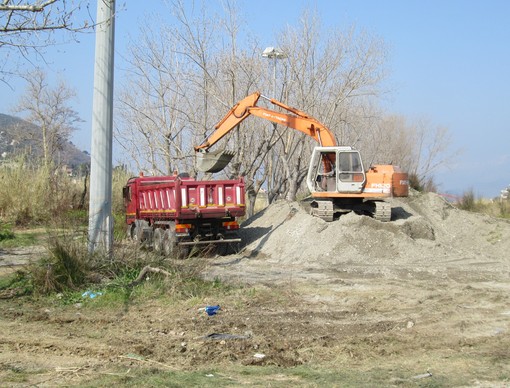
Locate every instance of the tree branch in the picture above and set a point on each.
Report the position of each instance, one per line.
(31, 8)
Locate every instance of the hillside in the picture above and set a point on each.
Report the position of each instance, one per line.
(18, 136)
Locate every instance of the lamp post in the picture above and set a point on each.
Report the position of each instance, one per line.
(273, 53)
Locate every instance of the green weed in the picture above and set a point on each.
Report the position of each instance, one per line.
(21, 239)
(270, 376)
(6, 232)
(64, 269)
(16, 284)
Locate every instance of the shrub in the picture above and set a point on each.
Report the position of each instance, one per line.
(35, 194)
(424, 184)
(504, 208)
(65, 269)
(468, 201)
(6, 232)
(119, 179)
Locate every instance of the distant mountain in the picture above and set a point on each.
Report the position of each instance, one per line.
(18, 136)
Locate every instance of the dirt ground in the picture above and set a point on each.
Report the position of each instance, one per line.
(422, 301)
(12, 258)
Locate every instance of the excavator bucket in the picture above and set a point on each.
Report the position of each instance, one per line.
(213, 161)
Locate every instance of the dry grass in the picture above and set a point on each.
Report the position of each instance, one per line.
(492, 207)
(32, 194)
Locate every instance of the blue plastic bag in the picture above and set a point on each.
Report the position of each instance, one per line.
(211, 310)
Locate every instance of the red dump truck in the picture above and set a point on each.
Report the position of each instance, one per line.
(175, 213)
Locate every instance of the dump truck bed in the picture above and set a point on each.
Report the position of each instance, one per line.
(171, 197)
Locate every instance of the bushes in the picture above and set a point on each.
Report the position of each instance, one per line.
(494, 208)
(65, 269)
(70, 269)
(32, 194)
(468, 201)
(6, 232)
(36, 195)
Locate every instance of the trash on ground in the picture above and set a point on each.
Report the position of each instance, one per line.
(423, 376)
(210, 310)
(223, 336)
(91, 294)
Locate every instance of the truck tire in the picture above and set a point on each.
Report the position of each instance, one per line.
(169, 241)
(129, 231)
(222, 249)
(157, 240)
(228, 249)
(137, 234)
(142, 232)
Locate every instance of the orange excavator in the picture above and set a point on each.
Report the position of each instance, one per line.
(336, 178)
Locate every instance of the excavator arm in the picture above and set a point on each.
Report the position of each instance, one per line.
(296, 119)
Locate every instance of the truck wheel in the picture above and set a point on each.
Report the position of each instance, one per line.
(158, 240)
(129, 232)
(137, 234)
(234, 248)
(169, 242)
(183, 252)
(222, 249)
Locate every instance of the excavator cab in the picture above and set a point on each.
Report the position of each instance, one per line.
(336, 169)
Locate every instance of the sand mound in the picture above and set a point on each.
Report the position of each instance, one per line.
(426, 235)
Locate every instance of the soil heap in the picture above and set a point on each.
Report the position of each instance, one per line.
(426, 237)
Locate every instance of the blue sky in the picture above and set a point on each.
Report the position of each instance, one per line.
(449, 63)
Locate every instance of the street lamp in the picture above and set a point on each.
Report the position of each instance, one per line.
(273, 53)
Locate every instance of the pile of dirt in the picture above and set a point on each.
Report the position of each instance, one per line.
(427, 236)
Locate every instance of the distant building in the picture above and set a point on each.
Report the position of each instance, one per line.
(505, 194)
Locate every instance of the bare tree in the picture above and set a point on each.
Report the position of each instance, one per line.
(151, 108)
(331, 75)
(194, 71)
(49, 109)
(418, 146)
(432, 150)
(27, 27)
(166, 100)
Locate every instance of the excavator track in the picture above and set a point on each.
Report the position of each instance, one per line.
(324, 210)
(382, 211)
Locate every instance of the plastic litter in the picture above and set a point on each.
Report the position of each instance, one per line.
(423, 376)
(91, 294)
(210, 310)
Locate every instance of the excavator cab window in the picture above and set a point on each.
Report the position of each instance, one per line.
(350, 167)
(326, 172)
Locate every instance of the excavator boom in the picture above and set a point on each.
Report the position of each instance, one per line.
(296, 119)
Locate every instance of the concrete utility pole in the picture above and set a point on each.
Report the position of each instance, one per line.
(100, 206)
